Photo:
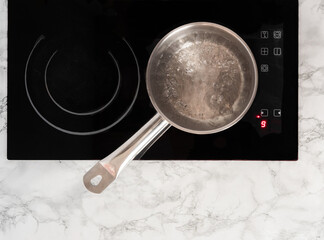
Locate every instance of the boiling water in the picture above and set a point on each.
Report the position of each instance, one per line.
(203, 80)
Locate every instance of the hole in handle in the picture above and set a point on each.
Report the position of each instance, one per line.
(96, 180)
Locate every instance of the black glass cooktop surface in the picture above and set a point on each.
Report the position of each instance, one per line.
(76, 85)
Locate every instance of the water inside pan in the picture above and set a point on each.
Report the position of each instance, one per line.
(214, 76)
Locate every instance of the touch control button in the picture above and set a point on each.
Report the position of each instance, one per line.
(277, 34)
(264, 51)
(264, 113)
(264, 68)
(277, 112)
(264, 34)
(277, 51)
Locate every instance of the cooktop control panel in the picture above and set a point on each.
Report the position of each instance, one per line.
(268, 47)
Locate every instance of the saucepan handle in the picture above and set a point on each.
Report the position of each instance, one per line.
(107, 170)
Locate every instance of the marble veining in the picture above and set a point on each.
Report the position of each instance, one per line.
(178, 200)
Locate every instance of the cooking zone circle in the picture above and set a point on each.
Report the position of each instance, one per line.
(77, 88)
(80, 80)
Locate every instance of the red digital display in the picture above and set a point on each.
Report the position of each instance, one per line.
(264, 124)
(258, 116)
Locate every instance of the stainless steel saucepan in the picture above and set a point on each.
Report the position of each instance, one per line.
(201, 78)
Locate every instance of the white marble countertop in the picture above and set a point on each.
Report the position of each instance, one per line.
(178, 200)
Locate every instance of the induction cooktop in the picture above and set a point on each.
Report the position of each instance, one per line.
(76, 78)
